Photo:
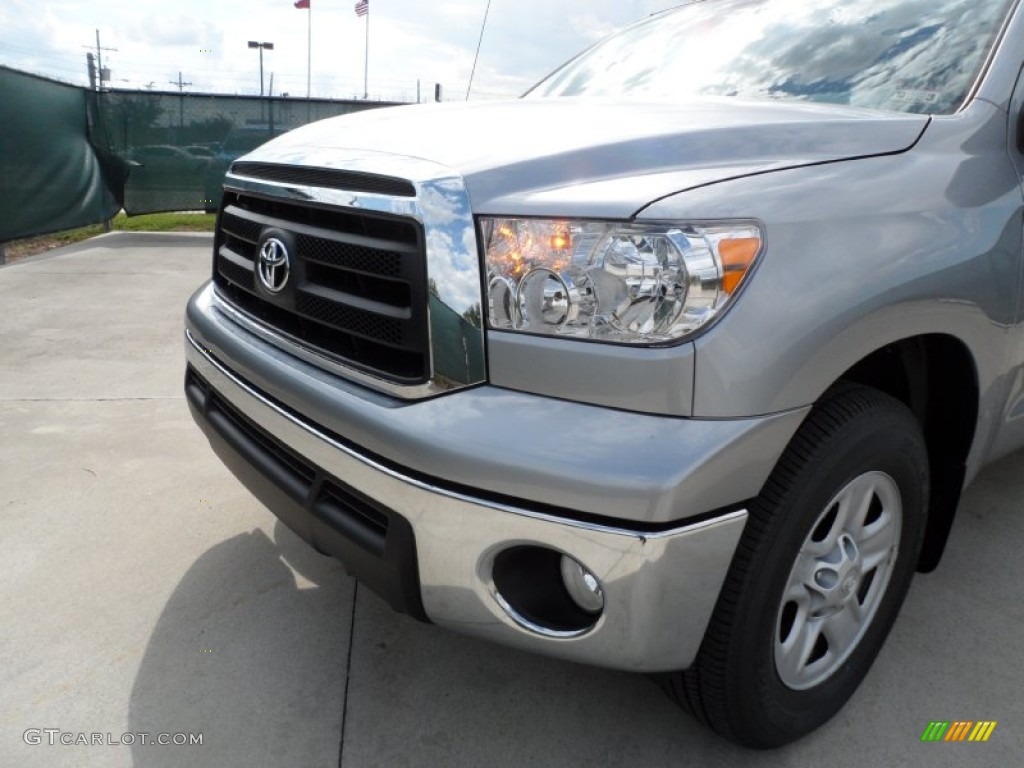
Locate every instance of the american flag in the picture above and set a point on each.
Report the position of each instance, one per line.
(362, 7)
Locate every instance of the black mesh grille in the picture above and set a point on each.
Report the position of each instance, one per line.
(356, 289)
(348, 256)
(357, 321)
(236, 273)
(386, 232)
(243, 229)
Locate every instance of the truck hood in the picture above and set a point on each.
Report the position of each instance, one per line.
(600, 158)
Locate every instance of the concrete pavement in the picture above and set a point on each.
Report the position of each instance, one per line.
(144, 590)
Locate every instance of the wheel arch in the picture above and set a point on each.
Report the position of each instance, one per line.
(936, 377)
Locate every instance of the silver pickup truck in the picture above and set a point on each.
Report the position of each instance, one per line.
(679, 364)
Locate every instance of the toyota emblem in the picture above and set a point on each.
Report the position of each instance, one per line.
(273, 267)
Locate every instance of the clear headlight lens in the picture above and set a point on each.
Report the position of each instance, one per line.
(613, 281)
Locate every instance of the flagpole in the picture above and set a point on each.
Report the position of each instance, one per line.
(366, 60)
(309, 46)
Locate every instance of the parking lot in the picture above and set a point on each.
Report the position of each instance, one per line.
(145, 591)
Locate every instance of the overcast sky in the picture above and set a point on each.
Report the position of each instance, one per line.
(206, 41)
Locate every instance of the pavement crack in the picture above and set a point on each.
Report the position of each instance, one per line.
(348, 671)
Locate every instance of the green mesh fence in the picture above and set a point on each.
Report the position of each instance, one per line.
(70, 156)
(51, 177)
(178, 146)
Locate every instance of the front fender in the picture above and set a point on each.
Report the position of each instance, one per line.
(860, 254)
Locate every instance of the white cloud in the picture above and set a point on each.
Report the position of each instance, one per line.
(179, 30)
(410, 40)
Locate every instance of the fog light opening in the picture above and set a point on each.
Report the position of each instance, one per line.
(547, 592)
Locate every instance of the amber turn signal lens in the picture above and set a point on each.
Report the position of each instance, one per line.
(737, 255)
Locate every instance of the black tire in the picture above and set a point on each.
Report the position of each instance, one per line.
(735, 685)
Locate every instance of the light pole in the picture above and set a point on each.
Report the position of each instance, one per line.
(261, 46)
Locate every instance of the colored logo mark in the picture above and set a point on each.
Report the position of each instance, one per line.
(958, 730)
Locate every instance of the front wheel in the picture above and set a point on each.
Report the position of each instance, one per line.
(819, 575)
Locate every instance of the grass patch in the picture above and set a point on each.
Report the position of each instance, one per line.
(149, 222)
(32, 245)
(165, 222)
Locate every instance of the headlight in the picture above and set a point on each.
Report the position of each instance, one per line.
(629, 283)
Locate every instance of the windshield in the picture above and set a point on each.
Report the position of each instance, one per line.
(904, 55)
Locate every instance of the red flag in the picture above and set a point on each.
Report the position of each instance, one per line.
(362, 7)
(302, 3)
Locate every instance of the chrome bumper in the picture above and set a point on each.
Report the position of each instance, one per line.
(659, 588)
